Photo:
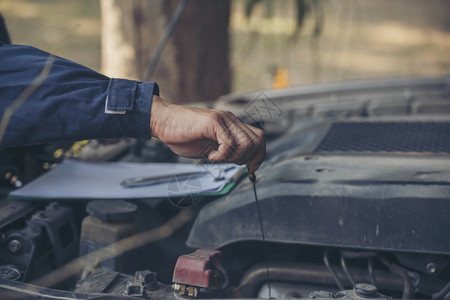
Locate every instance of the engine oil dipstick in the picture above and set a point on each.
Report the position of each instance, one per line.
(252, 178)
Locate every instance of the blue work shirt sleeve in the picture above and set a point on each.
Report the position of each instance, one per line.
(72, 103)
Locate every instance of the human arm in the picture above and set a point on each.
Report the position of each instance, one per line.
(70, 105)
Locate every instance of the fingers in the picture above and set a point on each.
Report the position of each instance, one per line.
(226, 137)
(193, 132)
(255, 162)
(257, 154)
(238, 142)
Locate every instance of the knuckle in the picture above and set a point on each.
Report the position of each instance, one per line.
(228, 113)
(221, 113)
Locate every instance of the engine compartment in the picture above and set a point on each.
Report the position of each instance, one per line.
(354, 198)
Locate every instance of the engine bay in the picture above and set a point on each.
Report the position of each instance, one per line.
(354, 197)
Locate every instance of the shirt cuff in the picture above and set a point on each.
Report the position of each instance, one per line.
(132, 100)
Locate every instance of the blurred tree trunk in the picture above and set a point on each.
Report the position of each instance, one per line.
(131, 30)
(202, 49)
(194, 65)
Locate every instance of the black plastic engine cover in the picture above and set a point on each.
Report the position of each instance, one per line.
(383, 201)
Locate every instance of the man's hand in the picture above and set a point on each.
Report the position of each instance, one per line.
(197, 132)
